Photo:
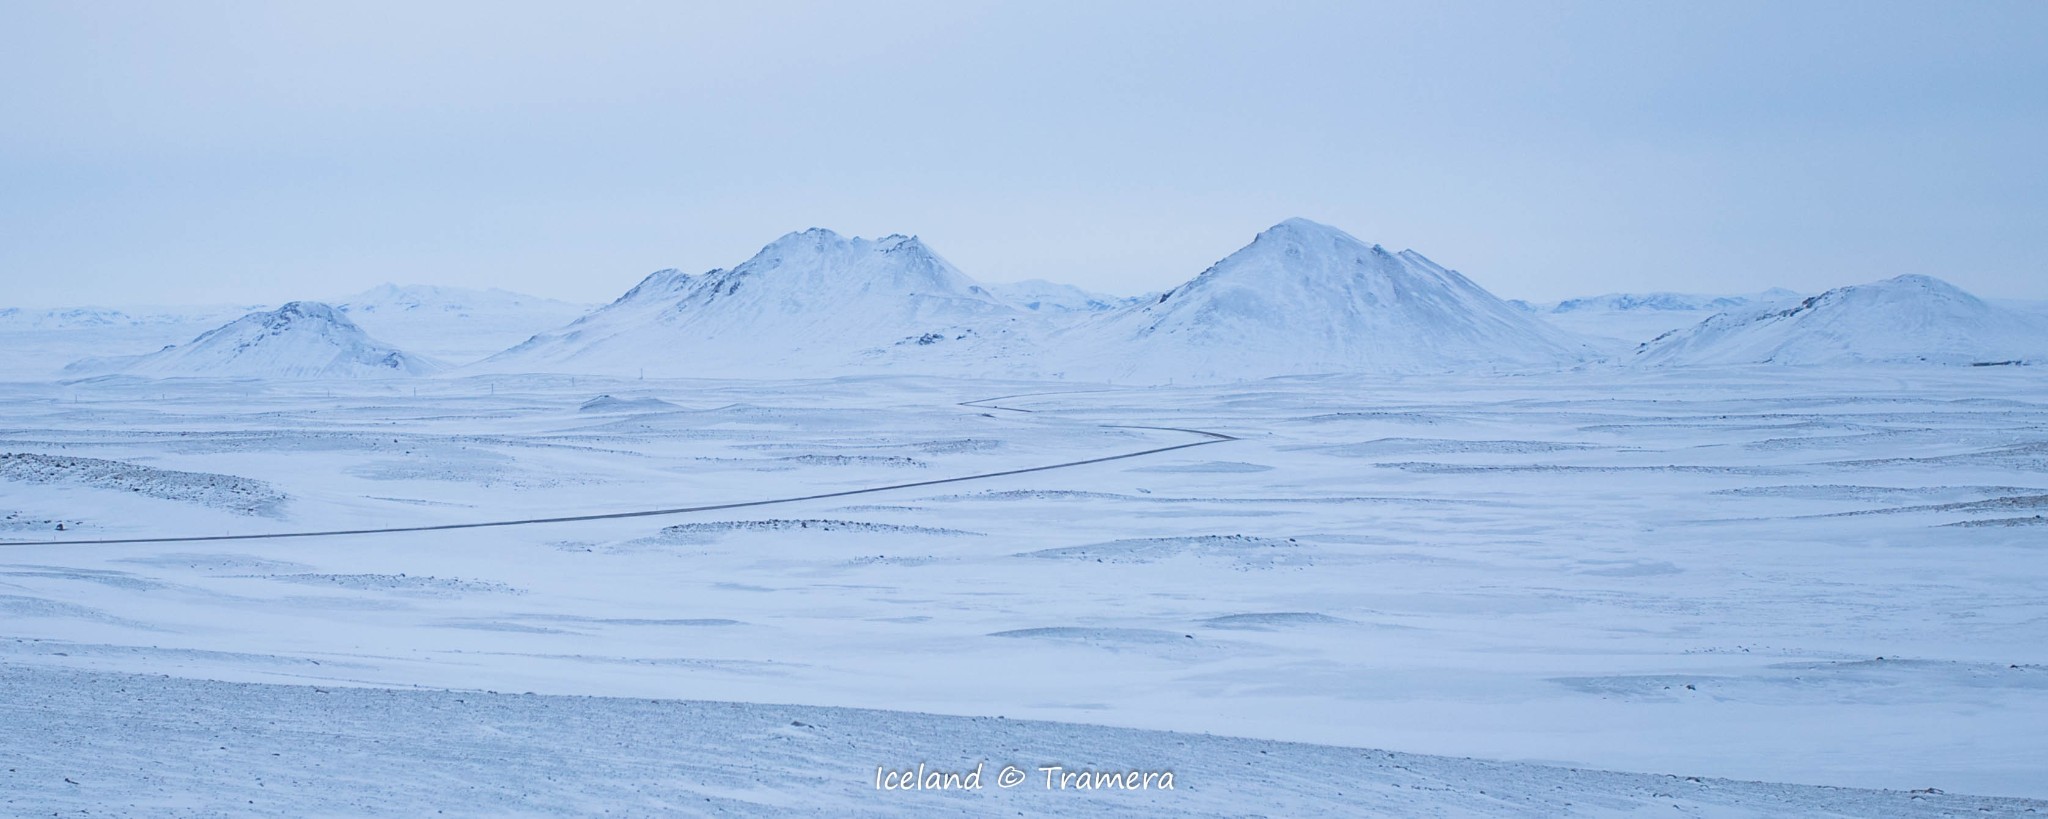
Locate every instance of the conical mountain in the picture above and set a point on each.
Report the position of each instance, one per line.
(1308, 298)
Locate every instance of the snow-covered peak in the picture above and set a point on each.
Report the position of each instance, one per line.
(822, 256)
(1305, 229)
(665, 280)
(819, 240)
(1298, 266)
(1281, 255)
(1910, 295)
(1913, 285)
(812, 301)
(1911, 318)
(1299, 235)
(813, 238)
(1304, 297)
(824, 262)
(282, 319)
(302, 339)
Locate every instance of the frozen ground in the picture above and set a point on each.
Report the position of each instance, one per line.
(97, 742)
(1824, 577)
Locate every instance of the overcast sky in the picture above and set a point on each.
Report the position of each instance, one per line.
(254, 152)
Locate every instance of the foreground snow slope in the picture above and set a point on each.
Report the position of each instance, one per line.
(1308, 298)
(120, 743)
(303, 339)
(810, 303)
(1907, 319)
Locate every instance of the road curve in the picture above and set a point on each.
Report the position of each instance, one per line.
(1208, 438)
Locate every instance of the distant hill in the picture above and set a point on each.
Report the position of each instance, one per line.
(1908, 319)
(302, 339)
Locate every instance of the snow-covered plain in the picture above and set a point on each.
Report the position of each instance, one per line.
(1820, 576)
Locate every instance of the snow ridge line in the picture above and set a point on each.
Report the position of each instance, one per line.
(1209, 438)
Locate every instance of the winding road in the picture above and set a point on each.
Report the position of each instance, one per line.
(1208, 438)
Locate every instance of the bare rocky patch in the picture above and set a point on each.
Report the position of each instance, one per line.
(241, 496)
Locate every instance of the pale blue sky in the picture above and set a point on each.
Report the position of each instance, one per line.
(253, 152)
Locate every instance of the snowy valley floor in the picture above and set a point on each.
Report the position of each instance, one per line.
(1824, 577)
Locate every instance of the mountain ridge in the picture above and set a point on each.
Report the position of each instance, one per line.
(811, 302)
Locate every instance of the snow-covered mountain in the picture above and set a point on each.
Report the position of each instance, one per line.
(1041, 296)
(303, 339)
(810, 303)
(455, 323)
(1308, 298)
(1904, 319)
